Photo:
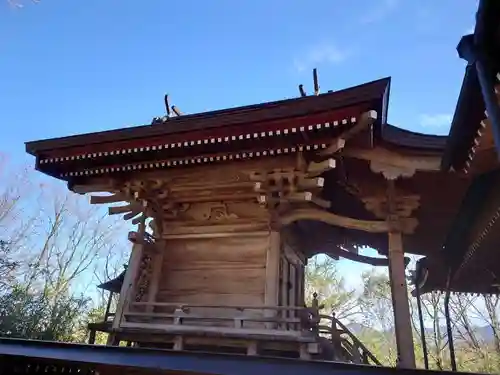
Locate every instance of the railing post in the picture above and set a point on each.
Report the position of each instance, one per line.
(356, 356)
(315, 314)
(336, 341)
(92, 337)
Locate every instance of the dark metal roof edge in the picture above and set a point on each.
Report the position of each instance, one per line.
(459, 122)
(143, 131)
(487, 23)
(417, 133)
(485, 36)
(197, 362)
(419, 141)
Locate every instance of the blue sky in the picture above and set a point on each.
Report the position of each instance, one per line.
(69, 67)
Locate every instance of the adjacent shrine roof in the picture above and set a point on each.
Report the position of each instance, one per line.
(467, 132)
(469, 259)
(114, 285)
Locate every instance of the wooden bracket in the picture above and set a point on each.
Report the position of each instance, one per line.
(283, 187)
(315, 169)
(405, 225)
(103, 199)
(365, 121)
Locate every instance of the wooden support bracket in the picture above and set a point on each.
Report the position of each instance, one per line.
(406, 225)
(124, 209)
(103, 199)
(365, 121)
(315, 169)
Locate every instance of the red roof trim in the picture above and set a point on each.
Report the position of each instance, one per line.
(229, 117)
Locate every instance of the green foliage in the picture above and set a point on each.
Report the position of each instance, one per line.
(323, 278)
(7, 265)
(40, 315)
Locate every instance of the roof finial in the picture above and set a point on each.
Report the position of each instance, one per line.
(315, 79)
(167, 106)
(169, 109)
(302, 91)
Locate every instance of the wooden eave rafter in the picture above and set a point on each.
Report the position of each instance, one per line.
(308, 133)
(138, 198)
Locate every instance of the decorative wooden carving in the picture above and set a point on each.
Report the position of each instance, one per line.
(210, 211)
(407, 225)
(390, 171)
(404, 205)
(144, 276)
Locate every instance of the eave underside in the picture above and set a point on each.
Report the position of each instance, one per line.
(470, 254)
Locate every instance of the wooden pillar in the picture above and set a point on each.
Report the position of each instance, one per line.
(272, 269)
(301, 285)
(108, 306)
(293, 291)
(92, 337)
(155, 275)
(399, 290)
(127, 289)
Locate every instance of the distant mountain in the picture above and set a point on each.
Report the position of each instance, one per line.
(484, 333)
(359, 329)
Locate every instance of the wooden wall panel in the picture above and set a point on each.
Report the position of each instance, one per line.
(295, 276)
(216, 271)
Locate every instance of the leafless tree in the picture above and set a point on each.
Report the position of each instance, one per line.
(57, 237)
(432, 306)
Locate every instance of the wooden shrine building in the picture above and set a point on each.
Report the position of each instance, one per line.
(237, 200)
(230, 204)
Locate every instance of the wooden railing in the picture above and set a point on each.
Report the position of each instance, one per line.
(283, 321)
(338, 342)
(346, 346)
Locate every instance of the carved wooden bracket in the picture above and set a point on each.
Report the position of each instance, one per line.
(135, 195)
(280, 188)
(391, 172)
(404, 205)
(365, 121)
(404, 225)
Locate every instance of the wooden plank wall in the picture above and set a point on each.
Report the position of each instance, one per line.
(215, 271)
